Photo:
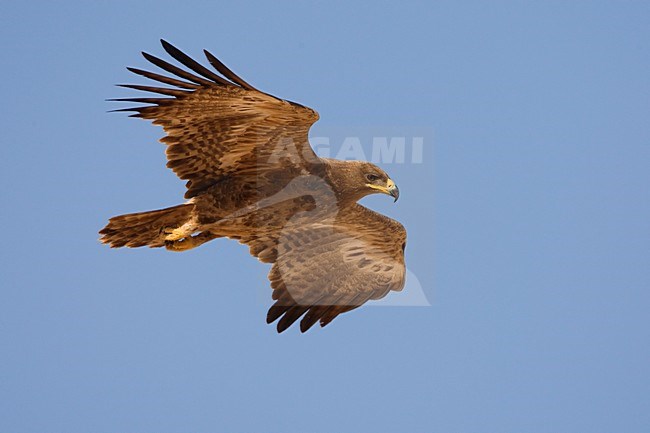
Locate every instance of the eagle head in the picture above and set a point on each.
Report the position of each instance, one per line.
(375, 180)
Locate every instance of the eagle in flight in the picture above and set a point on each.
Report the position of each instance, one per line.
(253, 176)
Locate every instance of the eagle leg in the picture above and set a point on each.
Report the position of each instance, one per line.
(174, 234)
(189, 242)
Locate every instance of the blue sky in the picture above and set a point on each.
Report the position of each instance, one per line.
(528, 223)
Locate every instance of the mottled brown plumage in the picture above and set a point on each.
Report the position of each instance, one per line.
(252, 176)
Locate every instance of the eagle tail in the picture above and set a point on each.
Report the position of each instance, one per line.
(150, 228)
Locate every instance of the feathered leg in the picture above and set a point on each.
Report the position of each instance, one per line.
(190, 242)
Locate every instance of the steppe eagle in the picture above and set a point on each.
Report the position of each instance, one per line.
(253, 176)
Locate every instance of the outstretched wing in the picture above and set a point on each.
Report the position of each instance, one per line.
(322, 269)
(219, 125)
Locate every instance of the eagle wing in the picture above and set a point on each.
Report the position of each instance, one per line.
(219, 125)
(322, 269)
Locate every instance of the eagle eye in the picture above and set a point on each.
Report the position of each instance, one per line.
(372, 177)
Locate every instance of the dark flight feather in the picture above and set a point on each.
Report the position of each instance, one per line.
(192, 64)
(176, 70)
(161, 90)
(164, 79)
(219, 66)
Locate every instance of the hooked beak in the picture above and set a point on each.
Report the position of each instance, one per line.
(391, 189)
(394, 192)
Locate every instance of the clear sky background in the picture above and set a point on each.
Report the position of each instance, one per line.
(528, 222)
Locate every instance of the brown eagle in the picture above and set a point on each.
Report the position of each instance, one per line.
(253, 176)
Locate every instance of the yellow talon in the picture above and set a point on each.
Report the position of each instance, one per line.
(189, 242)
